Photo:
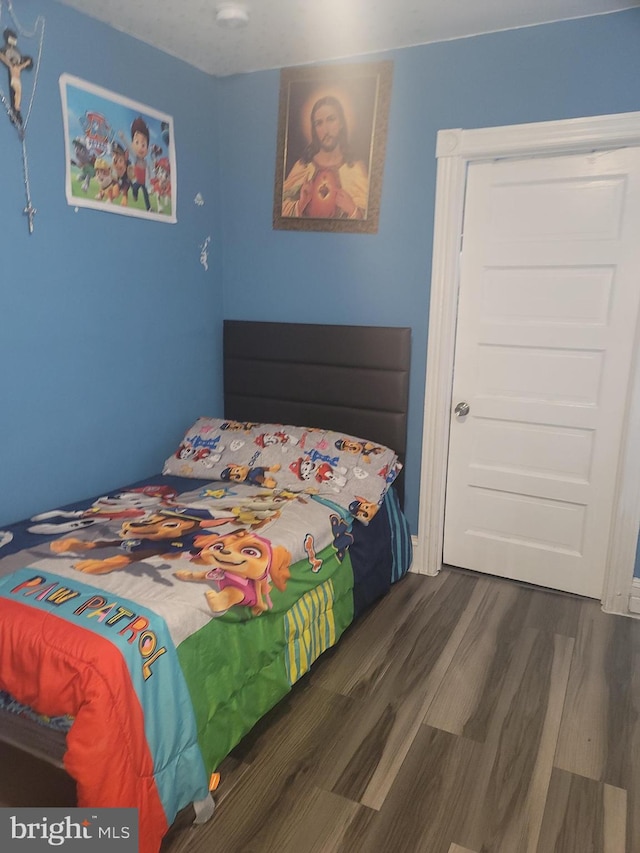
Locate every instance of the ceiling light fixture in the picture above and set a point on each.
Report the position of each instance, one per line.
(231, 16)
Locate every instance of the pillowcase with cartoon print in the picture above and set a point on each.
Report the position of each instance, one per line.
(353, 472)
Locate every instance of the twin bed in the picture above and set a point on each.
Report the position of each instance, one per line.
(144, 632)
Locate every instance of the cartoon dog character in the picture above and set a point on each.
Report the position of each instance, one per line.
(167, 534)
(268, 439)
(254, 476)
(305, 468)
(257, 510)
(242, 565)
(198, 454)
(363, 509)
(133, 503)
(84, 160)
(161, 182)
(362, 448)
(109, 189)
(121, 171)
(239, 426)
(342, 536)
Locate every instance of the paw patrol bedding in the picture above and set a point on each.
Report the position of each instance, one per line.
(167, 618)
(354, 472)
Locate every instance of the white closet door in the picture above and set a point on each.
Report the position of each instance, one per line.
(548, 307)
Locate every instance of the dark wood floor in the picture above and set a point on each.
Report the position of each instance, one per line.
(463, 714)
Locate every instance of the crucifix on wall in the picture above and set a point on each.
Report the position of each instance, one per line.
(16, 63)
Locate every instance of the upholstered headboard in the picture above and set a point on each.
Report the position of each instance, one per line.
(353, 379)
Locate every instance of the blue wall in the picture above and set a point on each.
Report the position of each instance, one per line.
(110, 327)
(578, 68)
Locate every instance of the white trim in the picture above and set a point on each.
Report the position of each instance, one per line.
(623, 542)
(450, 187)
(455, 150)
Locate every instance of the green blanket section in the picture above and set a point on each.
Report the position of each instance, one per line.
(238, 666)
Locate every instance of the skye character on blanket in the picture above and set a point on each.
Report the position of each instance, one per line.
(243, 565)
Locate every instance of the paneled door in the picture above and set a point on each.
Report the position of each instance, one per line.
(545, 340)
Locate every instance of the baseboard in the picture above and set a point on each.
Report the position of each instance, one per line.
(634, 596)
(632, 609)
(415, 564)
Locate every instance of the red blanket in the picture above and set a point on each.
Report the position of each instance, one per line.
(87, 678)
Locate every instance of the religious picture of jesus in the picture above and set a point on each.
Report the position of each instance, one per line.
(331, 147)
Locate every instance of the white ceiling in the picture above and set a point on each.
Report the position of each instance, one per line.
(283, 33)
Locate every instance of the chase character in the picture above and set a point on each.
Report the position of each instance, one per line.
(363, 509)
(362, 448)
(166, 534)
(120, 164)
(254, 476)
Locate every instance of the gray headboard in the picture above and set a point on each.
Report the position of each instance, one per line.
(353, 379)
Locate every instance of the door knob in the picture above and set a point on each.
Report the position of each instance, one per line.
(461, 410)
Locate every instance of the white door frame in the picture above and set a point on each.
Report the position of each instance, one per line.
(455, 150)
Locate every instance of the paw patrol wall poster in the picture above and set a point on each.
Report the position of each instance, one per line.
(120, 155)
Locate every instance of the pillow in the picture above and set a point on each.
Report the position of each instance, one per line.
(353, 472)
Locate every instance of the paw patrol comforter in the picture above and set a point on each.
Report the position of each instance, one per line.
(164, 620)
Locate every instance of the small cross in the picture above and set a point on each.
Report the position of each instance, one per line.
(30, 212)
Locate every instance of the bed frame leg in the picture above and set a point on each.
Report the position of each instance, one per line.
(204, 809)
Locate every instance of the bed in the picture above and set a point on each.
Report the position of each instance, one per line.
(143, 633)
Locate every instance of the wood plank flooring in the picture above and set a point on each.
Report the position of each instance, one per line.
(462, 714)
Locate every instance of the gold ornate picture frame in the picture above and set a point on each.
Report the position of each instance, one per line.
(332, 129)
